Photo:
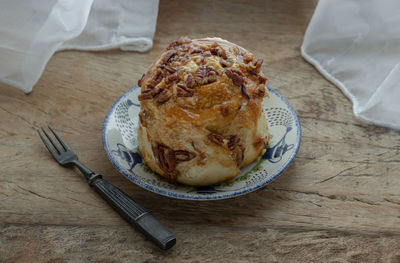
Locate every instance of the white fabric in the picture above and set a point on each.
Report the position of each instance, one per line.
(31, 31)
(356, 45)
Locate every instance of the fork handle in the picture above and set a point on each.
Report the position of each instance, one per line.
(134, 213)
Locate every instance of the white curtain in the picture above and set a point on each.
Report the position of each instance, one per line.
(31, 31)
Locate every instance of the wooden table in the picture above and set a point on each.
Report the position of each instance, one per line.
(339, 201)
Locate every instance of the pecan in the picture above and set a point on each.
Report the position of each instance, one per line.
(233, 141)
(258, 64)
(189, 81)
(140, 81)
(262, 79)
(244, 92)
(172, 45)
(251, 72)
(216, 138)
(218, 51)
(225, 63)
(165, 158)
(222, 53)
(148, 94)
(183, 156)
(171, 78)
(167, 57)
(237, 154)
(157, 77)
(205, 74)
(236, 50)
(235, 75)
(168, 68)
(207, 54)
(184, 40)
(183, 91)
(213, 48)
(195, 50)
(162, 97)
(181, 41)
(261, 92)
(247, 58)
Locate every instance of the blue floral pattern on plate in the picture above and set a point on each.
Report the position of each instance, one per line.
(121, 145)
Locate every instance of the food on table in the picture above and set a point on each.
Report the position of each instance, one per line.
(201, 117)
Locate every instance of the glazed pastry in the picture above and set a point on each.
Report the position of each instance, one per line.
(201, 117)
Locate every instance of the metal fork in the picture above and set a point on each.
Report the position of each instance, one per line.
(134, 213)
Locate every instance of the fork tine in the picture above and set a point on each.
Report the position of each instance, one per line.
(66, 147)
(52, 141)
(47, 145)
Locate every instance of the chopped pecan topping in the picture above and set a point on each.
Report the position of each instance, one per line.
(235, 75)
(207, 54)
(167, 57)
(258, 64)
(183, 156)
(149, 93)
(184, 40)
(165, 158)
(262, 79)
(205, 74)
(261, 92)
(162, 97)
(214, 48)
(184, 91)
(222, 53)
(244, 92)
(237, 154)
(216, 138)
(157, 77)
(251, 72)
(171, 78)
(169, 69)
(181, 41)
(247, 58)
(195, 50)
(185, 59)
(218, 51)
(140, 81)
(225, 63)
(189, 81)
(236, 50)
(233, 141)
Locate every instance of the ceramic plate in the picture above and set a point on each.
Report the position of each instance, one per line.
(121, 145)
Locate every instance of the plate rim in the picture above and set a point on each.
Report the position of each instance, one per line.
(200, 197)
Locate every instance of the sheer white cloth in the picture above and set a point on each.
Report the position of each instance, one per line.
(31, 31)
(356, 45)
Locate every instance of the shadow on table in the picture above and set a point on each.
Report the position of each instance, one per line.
(240, 211)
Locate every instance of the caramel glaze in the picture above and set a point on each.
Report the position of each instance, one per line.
(200, 96)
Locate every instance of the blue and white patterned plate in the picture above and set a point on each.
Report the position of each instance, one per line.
(121, 145)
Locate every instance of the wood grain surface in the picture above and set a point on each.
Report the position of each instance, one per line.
(339, 201)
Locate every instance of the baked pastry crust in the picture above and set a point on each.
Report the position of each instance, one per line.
(201, 118)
